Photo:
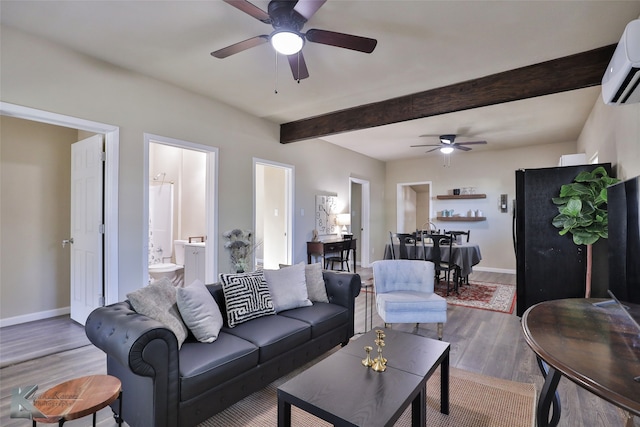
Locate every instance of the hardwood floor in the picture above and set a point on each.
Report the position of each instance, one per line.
(481, 341)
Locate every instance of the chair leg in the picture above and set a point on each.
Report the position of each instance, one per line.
(440, 329)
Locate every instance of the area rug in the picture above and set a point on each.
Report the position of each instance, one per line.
(484, 295)
(475, 400)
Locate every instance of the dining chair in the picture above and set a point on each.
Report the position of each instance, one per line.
(404, 292)
(459, 233)
(441, 241)
(341, 257)
(404, 241)
(456, 235)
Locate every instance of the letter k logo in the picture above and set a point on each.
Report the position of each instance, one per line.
(21, 407)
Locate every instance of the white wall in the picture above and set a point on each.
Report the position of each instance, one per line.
(613, 132)
(492, 173)
(39, 74)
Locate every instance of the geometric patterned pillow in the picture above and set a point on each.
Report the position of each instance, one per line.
(247, 297)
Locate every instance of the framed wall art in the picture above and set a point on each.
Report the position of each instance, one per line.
(326, 214)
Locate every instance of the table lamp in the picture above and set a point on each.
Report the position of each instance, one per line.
(343, 220)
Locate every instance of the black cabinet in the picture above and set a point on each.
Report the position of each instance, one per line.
(550, 266)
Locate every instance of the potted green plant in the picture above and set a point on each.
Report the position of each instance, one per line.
(582, 207)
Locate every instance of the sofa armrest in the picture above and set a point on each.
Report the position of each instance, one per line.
(124, 334)
(342, 289)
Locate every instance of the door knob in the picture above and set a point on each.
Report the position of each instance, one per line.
(65, 242)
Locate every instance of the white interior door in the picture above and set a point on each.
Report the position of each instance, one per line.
(87, 230)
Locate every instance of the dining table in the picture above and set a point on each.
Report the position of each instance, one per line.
(465, 255)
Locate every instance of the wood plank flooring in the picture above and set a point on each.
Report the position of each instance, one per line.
(481, 341)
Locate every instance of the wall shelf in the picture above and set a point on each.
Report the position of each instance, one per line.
(461, 196)
(462, 218)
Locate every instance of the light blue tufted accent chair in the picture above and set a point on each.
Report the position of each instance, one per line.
(405, 293)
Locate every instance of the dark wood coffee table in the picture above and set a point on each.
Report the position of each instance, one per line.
(594, 346)
(340, 390)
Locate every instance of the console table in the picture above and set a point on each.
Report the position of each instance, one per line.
(596, 347)
(320, 248)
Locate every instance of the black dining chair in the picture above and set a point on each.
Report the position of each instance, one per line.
(341, 257)
(456, 235)
(442, 242)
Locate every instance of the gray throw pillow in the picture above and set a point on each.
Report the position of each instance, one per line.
(246, 297)
(288, 287)
(199, 311)
(158, 301)
(315, 283)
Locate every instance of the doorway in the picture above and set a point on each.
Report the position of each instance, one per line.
(359, 207)
(413, 206)
(273, 213)
(189, 171)
(108, 285)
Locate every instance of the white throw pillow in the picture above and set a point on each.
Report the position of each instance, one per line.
(288, 287)
(199, 311)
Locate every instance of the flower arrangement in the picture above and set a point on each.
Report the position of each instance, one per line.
(240, 245)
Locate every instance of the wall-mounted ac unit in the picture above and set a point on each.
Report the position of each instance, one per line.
(621, 81)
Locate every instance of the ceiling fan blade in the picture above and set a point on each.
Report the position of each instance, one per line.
(250, 9)
(240, 46)
(461, 147)
(298, 66)
(307, 8)
(346, 41)
(433, 149)
(426, 145)
(471, 142)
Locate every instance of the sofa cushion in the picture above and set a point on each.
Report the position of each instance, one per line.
(322, 317)
(202, 365)
(199, 311)
(158, 301)
(246, 296)
(287, 287)
(273, 335)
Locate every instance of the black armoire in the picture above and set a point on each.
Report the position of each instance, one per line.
(550, 266)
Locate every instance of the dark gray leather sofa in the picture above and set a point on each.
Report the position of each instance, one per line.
(164, 386)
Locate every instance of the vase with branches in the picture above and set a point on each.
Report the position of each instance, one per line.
(582, 207)
(241, 246)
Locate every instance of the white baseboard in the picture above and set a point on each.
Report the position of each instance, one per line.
(494, 270)
(16, 320)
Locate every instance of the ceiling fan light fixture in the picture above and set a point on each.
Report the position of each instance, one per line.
(446, 150)
(447, 139)
(286, 42)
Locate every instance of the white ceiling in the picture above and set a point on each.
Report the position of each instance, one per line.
(421, 45)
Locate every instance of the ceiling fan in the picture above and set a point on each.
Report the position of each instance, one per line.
(287, 19)
(448, 144)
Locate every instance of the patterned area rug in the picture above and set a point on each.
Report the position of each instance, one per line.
(484, 295)
(475, 400)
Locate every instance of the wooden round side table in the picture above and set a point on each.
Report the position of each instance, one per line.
(77, 398)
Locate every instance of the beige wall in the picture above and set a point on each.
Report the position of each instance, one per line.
(613, 133)
(35, 218)
(39, 74)
(492, 173)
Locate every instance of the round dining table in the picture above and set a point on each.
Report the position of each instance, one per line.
(465, 255)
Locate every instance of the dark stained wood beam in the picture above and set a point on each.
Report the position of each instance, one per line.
(558, 75)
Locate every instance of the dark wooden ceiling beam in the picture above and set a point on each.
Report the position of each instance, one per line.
(559, 75)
